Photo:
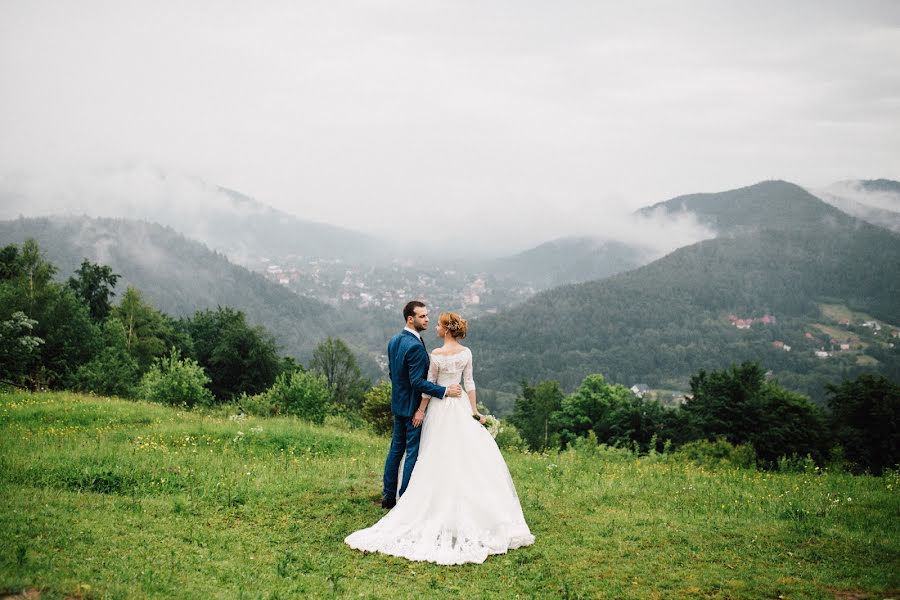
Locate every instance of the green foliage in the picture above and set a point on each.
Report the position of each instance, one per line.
(149, 334)
(94, 284)
(302, 394)
(865, 421)
(18, 348)
(334, 360)
(113, 372)
(59, 319)
(717, 454)
(508, 437)
(238, 358)
(534, 407)
(177, 381)
(376, 408)
(607, 410)
(741, 406)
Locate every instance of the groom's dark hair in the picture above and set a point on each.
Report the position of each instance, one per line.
(410, 309)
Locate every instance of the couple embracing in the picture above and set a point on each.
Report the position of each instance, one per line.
(450, 495)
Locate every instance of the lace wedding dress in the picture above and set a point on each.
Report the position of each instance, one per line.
(460, 505)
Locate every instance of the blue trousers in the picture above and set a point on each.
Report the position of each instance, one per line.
(404, 440)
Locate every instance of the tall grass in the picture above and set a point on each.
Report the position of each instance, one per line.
(105, 498)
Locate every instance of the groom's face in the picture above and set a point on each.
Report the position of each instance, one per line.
(420, 319)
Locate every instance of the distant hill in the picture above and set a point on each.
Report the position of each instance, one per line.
(177, 275)
(767, 205)
(875, 201)
(784, 252)
(223, 219)
(570, 260)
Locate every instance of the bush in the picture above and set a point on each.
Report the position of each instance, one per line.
(718, 454)
(113, 373)
(376, 408)
(508, 437)
(172, 380)
(257, 404)
(302, 394)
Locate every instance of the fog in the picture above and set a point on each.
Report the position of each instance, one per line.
(479, 127)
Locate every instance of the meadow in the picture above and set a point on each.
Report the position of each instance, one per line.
(108, 498)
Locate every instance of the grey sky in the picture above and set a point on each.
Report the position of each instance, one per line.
(531, 119)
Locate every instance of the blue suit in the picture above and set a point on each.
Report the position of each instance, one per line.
(408, 367)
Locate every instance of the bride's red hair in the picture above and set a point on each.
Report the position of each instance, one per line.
(454, 324)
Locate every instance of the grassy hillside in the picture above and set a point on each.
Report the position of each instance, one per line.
(103, 498)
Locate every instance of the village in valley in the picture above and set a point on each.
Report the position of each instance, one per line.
(340, 283)
(843, 332)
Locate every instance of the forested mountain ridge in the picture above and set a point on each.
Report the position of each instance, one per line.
(876, 201)
(228, 221)
(176, 274)
(765, 205)
(570, 260)
(784, 252)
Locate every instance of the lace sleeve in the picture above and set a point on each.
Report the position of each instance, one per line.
(432, 374)
(468, 381)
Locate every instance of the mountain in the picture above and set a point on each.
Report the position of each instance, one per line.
(784, 253)
(875, 201)
(225, 220)
(570, 260)
(767, 205)
(176, 275)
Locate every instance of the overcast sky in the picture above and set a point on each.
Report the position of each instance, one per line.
(503, 116)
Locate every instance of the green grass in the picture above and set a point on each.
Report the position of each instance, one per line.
(105, 498)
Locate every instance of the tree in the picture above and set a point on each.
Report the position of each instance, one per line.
(741, 406)
(238, 358)
(172, 380)
(302, 394)
(56, 315)
(94, 284)
(595, 406)
(333, 359)
(376, 408)
(149, 334)
(113, 372)
(18, 348)
(534, 407)
(33, 271)
(865, 421)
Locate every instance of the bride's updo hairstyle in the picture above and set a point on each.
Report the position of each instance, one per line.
(454, 324)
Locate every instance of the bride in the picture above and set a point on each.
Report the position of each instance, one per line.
(460, 504)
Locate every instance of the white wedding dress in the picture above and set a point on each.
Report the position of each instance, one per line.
(460, 505)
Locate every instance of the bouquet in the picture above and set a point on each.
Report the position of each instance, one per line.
(492, 424)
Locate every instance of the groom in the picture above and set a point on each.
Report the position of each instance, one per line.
(408, 367)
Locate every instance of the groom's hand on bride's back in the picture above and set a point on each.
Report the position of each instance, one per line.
(453, 391)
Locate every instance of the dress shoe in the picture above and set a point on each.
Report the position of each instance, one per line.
(388, 503)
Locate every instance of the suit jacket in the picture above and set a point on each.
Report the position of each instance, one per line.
(408, 364)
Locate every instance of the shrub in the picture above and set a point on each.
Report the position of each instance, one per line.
(376, 408)
(508, 437)
(172, 380)
(718, 454)
(302, 394)
(257, 404)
